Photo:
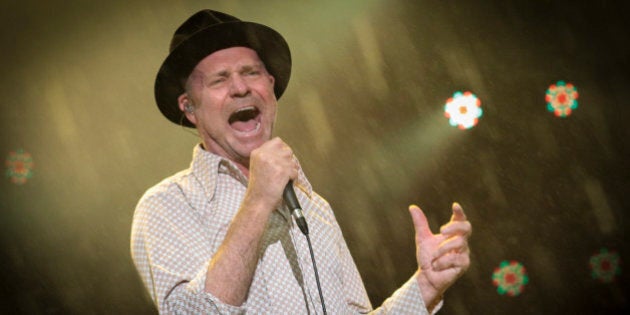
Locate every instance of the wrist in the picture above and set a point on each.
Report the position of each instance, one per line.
(430, 294)
(258, 202)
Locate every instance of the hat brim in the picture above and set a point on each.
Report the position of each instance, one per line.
(271, 47)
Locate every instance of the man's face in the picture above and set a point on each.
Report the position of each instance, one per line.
(234, 102)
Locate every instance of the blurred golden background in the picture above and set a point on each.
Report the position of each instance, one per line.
(364, 113)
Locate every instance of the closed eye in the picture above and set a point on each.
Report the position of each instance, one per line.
(253, 70)
(217, 80)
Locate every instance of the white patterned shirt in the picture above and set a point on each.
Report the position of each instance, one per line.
(179, 224)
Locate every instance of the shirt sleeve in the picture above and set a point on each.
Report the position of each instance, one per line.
(172, 253)
(406, 300)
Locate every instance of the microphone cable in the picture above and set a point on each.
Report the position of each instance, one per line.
(294, 205)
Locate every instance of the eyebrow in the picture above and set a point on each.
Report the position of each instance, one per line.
(245, 67)
(256, 66)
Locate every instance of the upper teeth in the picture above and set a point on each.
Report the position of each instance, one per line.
(245, 108)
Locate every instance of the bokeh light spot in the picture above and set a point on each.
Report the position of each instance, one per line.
(561, 98)
(605, 265)
(19, 165)
(510, 278)
(463, 110)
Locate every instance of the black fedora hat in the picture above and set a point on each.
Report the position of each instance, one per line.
(202, 34)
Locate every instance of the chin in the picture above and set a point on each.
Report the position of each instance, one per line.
(246, 149)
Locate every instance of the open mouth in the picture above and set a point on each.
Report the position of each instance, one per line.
(245, 119)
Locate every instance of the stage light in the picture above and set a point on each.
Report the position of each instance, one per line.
(605, 265)
(463, 110)
(510, 278)
(19, 166)
(561, 98)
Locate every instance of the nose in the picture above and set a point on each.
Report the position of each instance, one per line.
(238, 86)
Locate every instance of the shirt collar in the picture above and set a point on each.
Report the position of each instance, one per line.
(302, 182)
(204, 167)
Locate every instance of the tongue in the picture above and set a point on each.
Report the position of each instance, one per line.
(244, 126)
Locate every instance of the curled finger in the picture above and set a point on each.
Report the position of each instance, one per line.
(456, 244)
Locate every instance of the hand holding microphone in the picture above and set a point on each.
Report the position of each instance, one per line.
(271, 166)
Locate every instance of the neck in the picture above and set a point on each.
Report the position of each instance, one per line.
(242, 165)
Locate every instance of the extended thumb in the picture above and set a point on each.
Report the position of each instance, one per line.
(420, 222)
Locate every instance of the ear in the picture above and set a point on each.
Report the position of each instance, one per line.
(183, 101)
(272, 82)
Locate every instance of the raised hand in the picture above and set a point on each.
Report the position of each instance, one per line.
(442, 257)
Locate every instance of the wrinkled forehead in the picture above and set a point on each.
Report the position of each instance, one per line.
(225, 61)
(228, 59)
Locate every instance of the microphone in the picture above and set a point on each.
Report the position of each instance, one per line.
(294, 205)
